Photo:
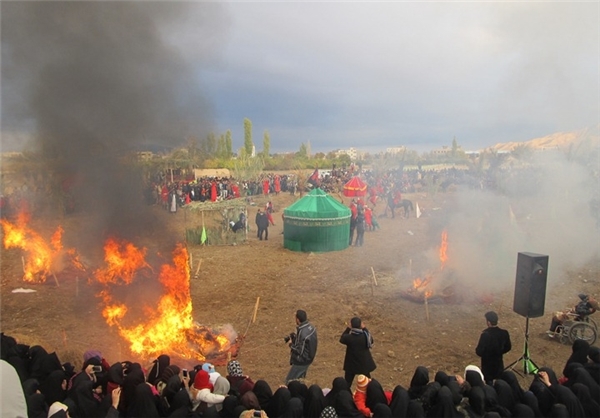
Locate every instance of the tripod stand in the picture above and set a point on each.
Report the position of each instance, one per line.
(529, 367)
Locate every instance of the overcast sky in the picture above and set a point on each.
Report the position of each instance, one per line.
(376, 74)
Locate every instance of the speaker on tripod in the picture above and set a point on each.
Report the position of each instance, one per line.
(530, 297)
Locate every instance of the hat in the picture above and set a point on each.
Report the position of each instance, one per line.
(234, 368)
(328, 412)
(492, 317)
(56, 407)
(301, 315)
(201, 381)
(361, 382)
(355, 322)
(208, 368)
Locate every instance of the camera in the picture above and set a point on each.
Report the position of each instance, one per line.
(291, 337)
(256, 413)
(97, 369)
(185, 372)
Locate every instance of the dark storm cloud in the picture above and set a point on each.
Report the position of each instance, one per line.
(98, 80)
(410, 73)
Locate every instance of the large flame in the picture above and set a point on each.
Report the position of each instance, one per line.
(39, 255)
(169, 327)
(41, 259)
(123, 259)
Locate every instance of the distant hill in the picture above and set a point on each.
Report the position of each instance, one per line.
(589, 137)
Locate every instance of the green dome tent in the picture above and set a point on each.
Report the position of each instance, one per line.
(317, 222)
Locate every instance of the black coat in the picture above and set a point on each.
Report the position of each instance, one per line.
(493, 343)
(358, 359)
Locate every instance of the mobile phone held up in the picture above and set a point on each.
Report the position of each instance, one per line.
(256, 413)
(185, 372)
(97, 369)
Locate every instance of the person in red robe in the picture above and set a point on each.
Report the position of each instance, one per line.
(164, 196)
(235, 189)
(266, 187)
(213, 191)
(373, 196)
(369, 218)
(277, 185)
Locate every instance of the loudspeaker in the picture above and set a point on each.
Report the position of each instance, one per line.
(530, 284)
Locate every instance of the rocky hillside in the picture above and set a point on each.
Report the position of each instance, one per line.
(589, 137)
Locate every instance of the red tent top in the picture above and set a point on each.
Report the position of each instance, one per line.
(355, 187)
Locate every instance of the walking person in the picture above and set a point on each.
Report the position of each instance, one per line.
(358, 358)
(360, 227)
(303, 347)
(493, 343)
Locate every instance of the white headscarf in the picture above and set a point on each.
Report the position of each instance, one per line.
(473, 368)
(12, 399)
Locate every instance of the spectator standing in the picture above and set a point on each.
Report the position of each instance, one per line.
(493, 343)
(303, 347)
(358, 358)
(262, 223)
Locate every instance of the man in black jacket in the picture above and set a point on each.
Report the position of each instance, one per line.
(493, 343)
(303, 347)
(358, 342)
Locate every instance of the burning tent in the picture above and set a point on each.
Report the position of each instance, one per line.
(317, 222)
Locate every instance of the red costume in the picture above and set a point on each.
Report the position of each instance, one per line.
(213, 192)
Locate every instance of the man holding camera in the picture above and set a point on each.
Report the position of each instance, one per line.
(303, 347)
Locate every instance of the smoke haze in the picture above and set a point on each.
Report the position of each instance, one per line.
(544, 209)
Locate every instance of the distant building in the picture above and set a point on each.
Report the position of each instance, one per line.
(442, 151)
(145, 155)
(352, 152)
(395, 150)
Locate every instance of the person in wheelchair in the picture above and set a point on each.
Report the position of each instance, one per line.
(586, 306)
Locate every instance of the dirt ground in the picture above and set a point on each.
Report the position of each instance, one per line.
(332, 287)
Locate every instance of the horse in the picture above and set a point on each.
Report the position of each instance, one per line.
(406, 205)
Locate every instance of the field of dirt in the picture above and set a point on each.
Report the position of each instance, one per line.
(332, 287)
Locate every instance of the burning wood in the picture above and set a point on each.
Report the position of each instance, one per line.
(41, 259)
(169, 328)
(439, 287)
(166, 327)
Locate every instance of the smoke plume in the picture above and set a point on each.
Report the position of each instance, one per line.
(98, 81)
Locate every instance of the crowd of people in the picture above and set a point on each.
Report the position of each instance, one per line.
(36, 384)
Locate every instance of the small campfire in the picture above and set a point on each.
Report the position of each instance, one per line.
(150, 327)
(440, 286)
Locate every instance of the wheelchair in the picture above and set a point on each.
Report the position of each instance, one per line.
(577, 327)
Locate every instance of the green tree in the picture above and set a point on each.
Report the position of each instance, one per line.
(209, 145)
(454, 148)
(221, 148)
(266, 144)
(303, 151)
(248, 144)
(228, 143)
